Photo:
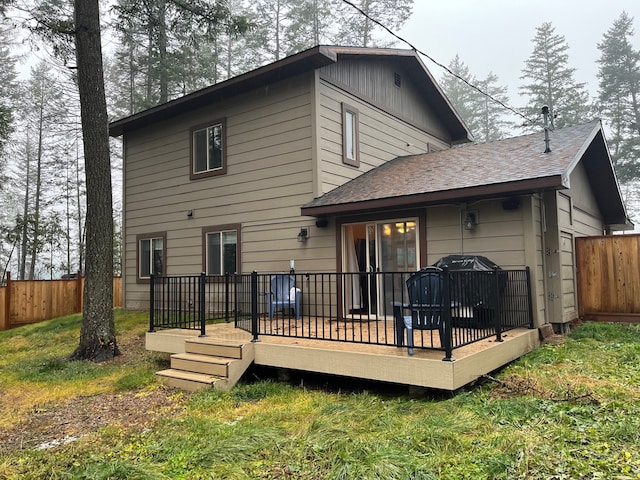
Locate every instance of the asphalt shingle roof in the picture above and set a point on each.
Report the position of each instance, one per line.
(500, 162)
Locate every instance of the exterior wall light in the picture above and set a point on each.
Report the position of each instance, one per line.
(303, 235)
(470, 221)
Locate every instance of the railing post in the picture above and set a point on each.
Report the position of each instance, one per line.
(152, 303)
(530, 303)
(496, 302)
(254, 306)
(448, 328)
(227, 283)
(203, 286)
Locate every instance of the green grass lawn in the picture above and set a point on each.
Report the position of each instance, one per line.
(566, 411)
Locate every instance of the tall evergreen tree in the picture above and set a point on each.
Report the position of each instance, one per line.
(170, 47)
(485, 118)
(550, 81)
(460, 94)
(619, 95)
(359, 30)
(310, 23)
(494, 123)
(8, 92)
(97, 332)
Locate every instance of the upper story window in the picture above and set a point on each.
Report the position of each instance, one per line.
(208, 149)
(151, 255)
(350, 136)
(221, 249)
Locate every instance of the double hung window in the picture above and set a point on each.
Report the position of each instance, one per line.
(151, 255)
(208, 149)
(221, 249)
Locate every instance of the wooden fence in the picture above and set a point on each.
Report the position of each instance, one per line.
(608, 274)
(30, 301)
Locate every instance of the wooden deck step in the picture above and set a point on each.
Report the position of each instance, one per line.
(208, 363)
(198, 363)
(189, 381)
(221, 348)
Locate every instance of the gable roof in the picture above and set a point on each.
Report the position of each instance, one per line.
(513, 166)
(307, 60)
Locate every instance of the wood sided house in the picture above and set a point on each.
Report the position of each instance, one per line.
(344, 167)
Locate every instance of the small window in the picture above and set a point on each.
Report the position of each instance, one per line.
(151, 255)
(208, 150)
(221, 249)
(350, 136)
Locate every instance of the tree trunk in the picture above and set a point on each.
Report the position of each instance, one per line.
(25, 215)
(162, 52)
(35, 241)
(97, 334)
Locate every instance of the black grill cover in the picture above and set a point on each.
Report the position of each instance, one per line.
(476, 263)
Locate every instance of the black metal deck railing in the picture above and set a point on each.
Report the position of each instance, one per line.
(345, 307)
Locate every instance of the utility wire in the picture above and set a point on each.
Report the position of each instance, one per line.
(444, 67)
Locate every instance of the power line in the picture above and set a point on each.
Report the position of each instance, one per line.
(444, 67)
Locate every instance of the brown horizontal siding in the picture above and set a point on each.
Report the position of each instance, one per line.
(269, 175)
(374, 124)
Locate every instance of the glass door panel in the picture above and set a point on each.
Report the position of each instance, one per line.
(397, 253)
(373, 249)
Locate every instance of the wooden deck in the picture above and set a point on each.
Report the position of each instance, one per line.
(425, 368)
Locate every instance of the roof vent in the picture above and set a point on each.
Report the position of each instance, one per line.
(545, 115)
(397, 79)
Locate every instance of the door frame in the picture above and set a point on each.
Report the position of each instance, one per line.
(418, 214)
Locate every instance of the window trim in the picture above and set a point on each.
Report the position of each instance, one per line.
(236, 227)
(354, 162)
(150, 236)
(193, 175)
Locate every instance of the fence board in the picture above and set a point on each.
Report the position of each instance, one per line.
(32, 301)
(608, 273)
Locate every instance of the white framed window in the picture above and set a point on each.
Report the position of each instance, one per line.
(221, 249)
(151, 255)
(350, 136)
(208, 149)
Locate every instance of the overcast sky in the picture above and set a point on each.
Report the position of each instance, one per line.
(495, 35)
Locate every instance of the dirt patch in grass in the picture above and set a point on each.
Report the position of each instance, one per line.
(51, 425)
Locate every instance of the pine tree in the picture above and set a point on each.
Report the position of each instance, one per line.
(493, 123)
(550, 81)
(310, 23)
(358, 30)
(170, 47)
(97, 333)
(463, 97)
(485, 118)
(619, 95)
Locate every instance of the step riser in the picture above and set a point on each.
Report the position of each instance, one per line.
(184, 384)
(199, 367)
(213, 350)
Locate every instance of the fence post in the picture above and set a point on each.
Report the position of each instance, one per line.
(6, 323)
(203, 286)
(152, 303)
(448, 328)
(226, 296)
(529, 300)
(496, 302)
(254, 306)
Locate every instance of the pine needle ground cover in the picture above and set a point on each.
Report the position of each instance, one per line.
(568, 410)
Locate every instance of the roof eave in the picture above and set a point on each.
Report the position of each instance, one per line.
(520, 187)
(307, 60)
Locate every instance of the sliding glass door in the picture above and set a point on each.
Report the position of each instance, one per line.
(385, 246)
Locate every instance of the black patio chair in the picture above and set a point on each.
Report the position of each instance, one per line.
(426, 305)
